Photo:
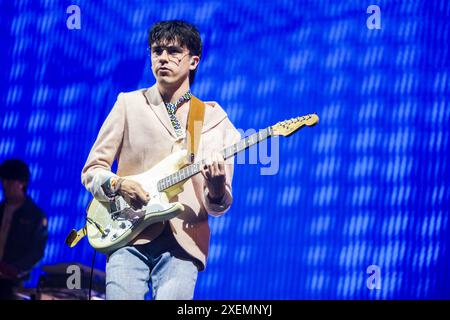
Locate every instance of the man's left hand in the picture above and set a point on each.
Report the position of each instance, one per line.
(214, 174)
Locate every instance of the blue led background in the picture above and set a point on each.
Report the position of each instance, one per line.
(368, 186)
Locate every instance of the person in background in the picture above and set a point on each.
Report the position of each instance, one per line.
(23, 228)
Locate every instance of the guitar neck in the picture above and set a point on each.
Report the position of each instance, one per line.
(192, 169)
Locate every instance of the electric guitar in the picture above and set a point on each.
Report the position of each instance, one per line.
(111, 225)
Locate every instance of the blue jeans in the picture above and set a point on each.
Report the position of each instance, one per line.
(170, 270)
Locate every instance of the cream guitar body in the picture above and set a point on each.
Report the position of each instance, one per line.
(108, 230)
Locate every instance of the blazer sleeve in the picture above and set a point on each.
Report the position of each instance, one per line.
(230, 136)
(105, 150)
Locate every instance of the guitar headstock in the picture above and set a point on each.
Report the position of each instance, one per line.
(288, 127)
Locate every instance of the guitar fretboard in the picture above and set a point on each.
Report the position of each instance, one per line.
(192, 169)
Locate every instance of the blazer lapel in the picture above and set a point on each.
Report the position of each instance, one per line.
(213, 116)
(157, 105)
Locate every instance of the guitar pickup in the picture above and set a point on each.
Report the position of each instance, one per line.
(114, 205)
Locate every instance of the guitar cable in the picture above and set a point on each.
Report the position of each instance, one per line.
(92, 274)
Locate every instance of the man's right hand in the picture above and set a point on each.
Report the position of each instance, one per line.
(133, 194)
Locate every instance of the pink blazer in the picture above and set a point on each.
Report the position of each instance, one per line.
(138, 134)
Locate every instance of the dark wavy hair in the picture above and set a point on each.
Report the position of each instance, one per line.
(179, 31)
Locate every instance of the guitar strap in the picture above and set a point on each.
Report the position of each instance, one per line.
(196, 119)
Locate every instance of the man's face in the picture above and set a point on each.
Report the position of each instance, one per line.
(171, 63)
(13, 189)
